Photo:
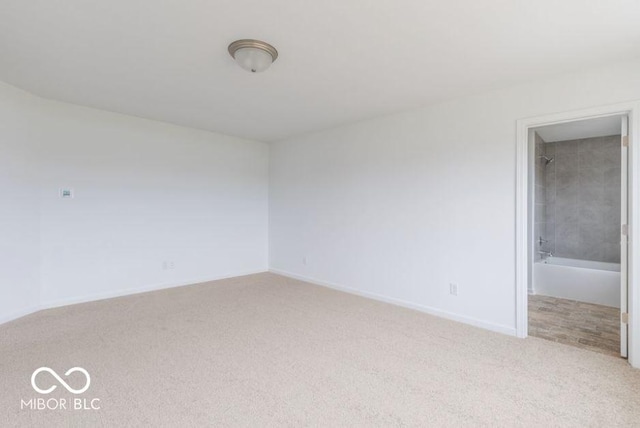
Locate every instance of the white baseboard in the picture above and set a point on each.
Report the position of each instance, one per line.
(19, 314)
(115, 293)
(129, 291)
(511, 331)
(126, 292)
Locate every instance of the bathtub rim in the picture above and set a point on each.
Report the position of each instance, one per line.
(580, 264)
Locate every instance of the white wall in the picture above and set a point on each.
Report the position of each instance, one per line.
(19, 213)
(401, 206)
(396, 207)
(145, 193)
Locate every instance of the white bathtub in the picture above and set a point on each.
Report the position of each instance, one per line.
(582, 280)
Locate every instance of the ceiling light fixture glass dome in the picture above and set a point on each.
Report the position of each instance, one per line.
(253, 55)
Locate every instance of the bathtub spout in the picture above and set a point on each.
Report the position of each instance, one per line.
(546, 253)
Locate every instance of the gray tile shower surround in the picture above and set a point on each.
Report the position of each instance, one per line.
(581, 203)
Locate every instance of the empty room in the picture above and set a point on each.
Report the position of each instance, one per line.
(334, 213)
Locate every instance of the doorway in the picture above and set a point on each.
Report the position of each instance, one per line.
(573, 248)
(579, 195)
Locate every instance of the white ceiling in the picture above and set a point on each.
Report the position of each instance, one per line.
(590, 128)
(340, 60)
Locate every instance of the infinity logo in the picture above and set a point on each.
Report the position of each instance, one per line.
(59, 379)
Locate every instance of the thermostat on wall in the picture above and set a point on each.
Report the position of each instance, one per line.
(66, 193)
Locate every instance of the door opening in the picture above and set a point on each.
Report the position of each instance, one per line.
(574, 270)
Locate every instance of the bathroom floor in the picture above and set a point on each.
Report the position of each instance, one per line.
(584, 325)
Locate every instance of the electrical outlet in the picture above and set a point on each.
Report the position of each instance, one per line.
(168, 265)
(304, 260)
(453, 289)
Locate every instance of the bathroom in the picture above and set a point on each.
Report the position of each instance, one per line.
(577, 243)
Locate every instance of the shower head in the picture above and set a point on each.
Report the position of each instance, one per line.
(547, 160)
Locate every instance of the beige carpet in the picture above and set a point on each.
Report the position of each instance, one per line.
(264, 350)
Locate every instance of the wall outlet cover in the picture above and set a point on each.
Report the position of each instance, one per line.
(453, 289)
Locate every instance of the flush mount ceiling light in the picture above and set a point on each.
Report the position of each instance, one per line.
(253, 55)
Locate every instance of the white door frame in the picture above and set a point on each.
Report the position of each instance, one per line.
(523, 212)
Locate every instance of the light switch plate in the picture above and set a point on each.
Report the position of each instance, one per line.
(66, 193)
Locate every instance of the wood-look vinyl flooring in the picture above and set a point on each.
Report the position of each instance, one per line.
(584, 325)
